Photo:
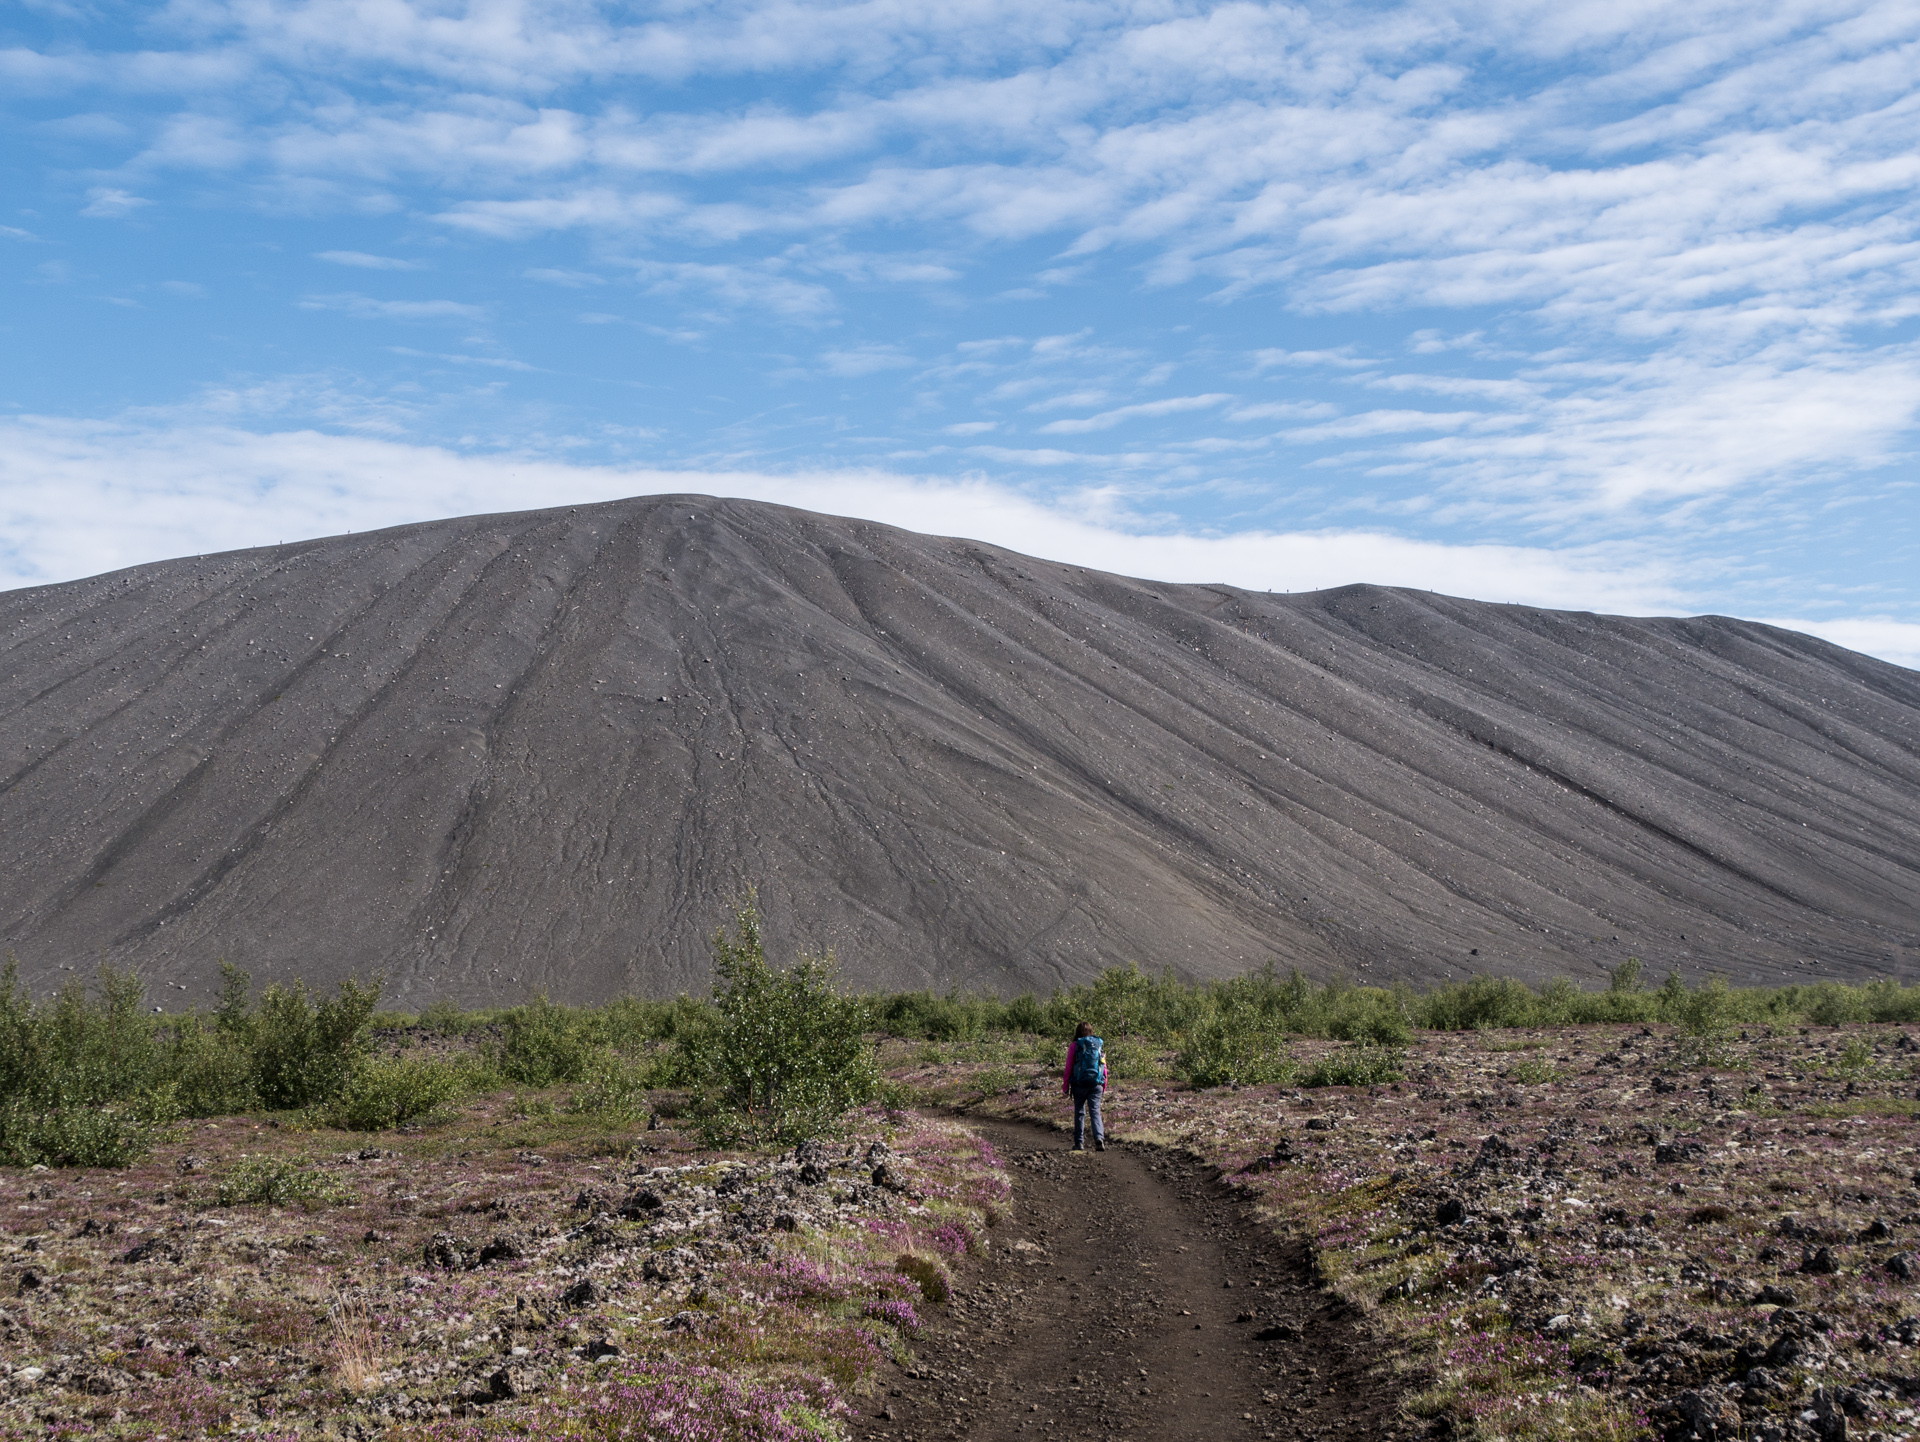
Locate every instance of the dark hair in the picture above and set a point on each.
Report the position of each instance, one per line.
(1084, 1029)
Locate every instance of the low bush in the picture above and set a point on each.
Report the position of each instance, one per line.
(279, 1182)
(1353, 1066)
(1224, 1049)
(616, 1087)
(786, 1057)
(384, 1092)
(543, 1044)
(61, 1130)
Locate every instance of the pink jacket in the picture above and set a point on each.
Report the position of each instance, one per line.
(1066, 1073)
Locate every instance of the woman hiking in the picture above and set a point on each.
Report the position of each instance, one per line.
(1085, 1079)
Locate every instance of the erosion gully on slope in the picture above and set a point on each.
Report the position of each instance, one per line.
(1132, 1292)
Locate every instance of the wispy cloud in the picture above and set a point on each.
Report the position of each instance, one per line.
(1516, 272)
(362, 307)
(201, 487)
(360, 260)
(1106, 420)
(104, 202)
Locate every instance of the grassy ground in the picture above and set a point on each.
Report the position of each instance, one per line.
(513, 1271)
(1582, 1233)
(1593, 1232)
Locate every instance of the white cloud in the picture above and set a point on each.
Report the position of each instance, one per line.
(78, 498)
(85, 497)
(862, 360)
(361, 260)
(362, 307)
(737, 286)
(1890, 640)
(106, 203)
(1106, 420)
(1380, 423)
(572, 279)
(492, 362)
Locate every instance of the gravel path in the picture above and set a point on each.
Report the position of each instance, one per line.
(1131, 1293)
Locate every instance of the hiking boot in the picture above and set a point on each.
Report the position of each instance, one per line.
(1079, 1148)
(1099, 1146)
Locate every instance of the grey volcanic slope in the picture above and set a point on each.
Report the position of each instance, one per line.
(544, 750)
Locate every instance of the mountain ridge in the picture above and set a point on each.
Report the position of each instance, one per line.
(544, 750)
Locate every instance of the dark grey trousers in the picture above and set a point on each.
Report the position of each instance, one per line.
(1087, 1099)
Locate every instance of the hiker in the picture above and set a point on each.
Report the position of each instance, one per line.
(1084, 1080)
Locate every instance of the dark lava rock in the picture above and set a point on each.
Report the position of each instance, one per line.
(1819, 1261)
(669, 1265)
(503, 1248)
(1281, 1332)
(1786, 1350)
(101, 1381)
(642, 1203)
(1450, 1212)
(813, 1174)
(1698, 1417)
(1322, 1124)
(510, 1382)
(30, 1281)
(1775, 1295)
(1681, 1149)
(600, 1347)
(870, 632)
(152, 1249)
(582, 1294)
(1763, 1386)
(447, 1251)
(1903, 1265)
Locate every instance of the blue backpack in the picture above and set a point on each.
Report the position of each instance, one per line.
(1086, 1061)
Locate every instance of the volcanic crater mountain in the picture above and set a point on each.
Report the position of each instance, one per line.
(547, 750)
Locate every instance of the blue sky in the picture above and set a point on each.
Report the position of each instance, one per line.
(1606, 306)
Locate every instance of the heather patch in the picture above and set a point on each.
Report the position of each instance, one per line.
(1605, 1232)
(497, 1276)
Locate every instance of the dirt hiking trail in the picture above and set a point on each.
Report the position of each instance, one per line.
(1132, 1293)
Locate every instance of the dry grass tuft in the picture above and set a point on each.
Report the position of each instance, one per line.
(355, 1361)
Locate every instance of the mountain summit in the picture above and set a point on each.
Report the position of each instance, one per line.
(545, 750)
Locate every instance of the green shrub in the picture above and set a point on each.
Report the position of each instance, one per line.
(1224, 1049)
(1129, 1059)
(279, 1181)
(302, 1051)
(1025, 1014)
(1353, 1066)
(60, 1130)
(615, 1087)
(1705, 1010)
(1370, 1014)
(786, 1057)
(543, 1045)
(211, 1068)
(1531, 1071)
(1832, 1004)
(387, 1091)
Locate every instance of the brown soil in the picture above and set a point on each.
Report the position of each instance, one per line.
(1130, 1292)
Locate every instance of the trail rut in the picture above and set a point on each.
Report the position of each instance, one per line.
(1132, 1293)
